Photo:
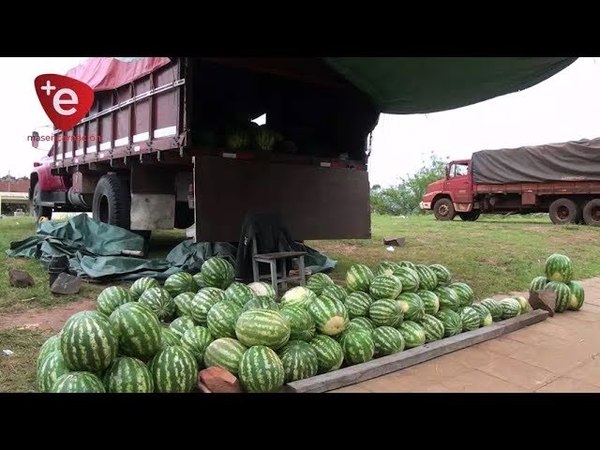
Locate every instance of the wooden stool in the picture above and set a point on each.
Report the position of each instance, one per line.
(271, 259)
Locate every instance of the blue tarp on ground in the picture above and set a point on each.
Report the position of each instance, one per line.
(95, 251)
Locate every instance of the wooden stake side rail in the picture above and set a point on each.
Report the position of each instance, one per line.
(387, 364)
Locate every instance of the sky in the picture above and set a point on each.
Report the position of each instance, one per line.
(562, 108)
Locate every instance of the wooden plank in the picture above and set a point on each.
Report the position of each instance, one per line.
(387, 364)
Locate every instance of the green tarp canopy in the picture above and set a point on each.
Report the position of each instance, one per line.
(425, 85)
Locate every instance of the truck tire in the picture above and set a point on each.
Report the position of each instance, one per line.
(444, 209)
(112, 201)
(36, 207)
(591, 213)
(471, 216)
(564, 211)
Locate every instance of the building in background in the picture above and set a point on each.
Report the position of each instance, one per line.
(14, 195)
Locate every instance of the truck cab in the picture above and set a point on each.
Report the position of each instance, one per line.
(452, 195)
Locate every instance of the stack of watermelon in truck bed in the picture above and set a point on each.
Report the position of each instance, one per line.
(560, 179)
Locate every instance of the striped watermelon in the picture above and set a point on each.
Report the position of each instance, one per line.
(358, 347)
(427, 277)
(431, 302)
(385, 286)
(563, 295)
(50, 345)
(111, 298)
(525, 306)
(413, 334)
(409, 279)
(358, 278)
(559, 268)
(330, 354)
(261, 370)
(263, 327)
(214, 292)
(362, 323)
(386, 268)
(387, 341)
(88, 341)
(51, 367)
(160, 302)
(299, 361)
(198, 280)
(452, 322)
(239, 293)
(140, 285)
(181, 282)
(385, 312)
(411, 305)
(330, 316)
(408, 264)
(168, 337)
(226, 353)
(183, 303)
(78, 383)
(510, 308)
(217, 272)
(174, 369)
(485, 318)
(335, 292)
(464, 292)
(433, 328)
(196, 340)
(470, 318)
(443, 274)
(298, 296)
(205, 299)
(180, 325)
(448, 298)
(302, 325)
(138, 330)
(538, 283)
(221, 319)
(261, 303)
(577, 295)
(262, 289)
(493, 307)
(357, 304)
(318, 282)
(128, 375)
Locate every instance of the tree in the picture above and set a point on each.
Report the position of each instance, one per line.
(406, 196)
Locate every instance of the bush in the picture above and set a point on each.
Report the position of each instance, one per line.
(404, 198)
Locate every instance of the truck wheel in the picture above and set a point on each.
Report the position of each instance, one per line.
(591, 213)
(112, 201)
(471, 216)
(564, 211)
(36, 206)
(444, 209)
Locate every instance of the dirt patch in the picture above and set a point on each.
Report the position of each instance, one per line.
(340, 249)
(45, 319)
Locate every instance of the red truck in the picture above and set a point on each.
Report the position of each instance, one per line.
(562, 180)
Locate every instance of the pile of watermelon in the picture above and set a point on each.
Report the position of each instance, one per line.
(559, 278)
(154, 338)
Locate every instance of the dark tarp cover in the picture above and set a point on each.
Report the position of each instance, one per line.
(569, 161)
(425, 85)
(95, 251)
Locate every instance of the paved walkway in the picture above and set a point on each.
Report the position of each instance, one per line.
(560, 354)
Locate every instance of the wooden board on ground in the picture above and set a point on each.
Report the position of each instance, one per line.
(387, 364)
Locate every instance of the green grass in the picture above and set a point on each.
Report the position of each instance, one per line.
(17, 299)
(494, 255)
(17, 371)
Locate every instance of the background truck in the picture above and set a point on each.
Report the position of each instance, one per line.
(562, 180)
(172, 142)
